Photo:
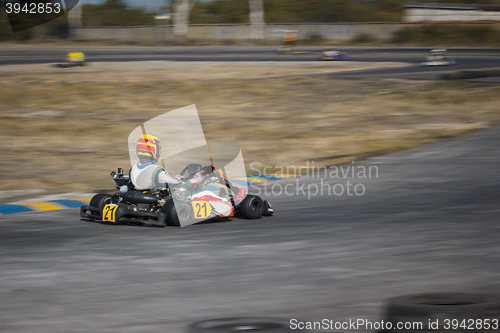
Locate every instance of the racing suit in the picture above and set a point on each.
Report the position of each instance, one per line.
(150, 176)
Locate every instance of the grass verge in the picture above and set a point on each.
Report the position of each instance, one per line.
(69, 136)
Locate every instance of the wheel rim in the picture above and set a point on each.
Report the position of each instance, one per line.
(242, 325)
(183, 213)
(256, 207)
(251, 327)
(444, 302)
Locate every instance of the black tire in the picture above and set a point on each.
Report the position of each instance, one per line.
(460, 306)
(252, 207)
(99, 200)
(174, 210)
(232, 325)
(268, 209)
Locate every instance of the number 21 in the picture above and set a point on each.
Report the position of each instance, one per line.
(200, 207)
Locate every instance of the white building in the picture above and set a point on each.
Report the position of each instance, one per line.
(442, 12)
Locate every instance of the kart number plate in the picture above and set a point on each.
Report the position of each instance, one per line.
(109, 213)
(202, 209)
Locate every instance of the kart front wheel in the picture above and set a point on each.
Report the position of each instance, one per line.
(99, 200)
(252, 207)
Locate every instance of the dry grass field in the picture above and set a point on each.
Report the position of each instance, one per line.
(69, 136)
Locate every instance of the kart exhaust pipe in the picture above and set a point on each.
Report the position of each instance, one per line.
(138, 197)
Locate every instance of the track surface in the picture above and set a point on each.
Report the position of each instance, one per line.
(214, 50)
(468, 58)
(416, 71)
(428, 223)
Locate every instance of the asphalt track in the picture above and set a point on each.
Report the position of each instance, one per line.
(29, 50)
(467, 58)
(415, 71)
(428, 222)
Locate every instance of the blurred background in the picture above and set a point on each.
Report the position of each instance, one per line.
(234, 22)
(132, 60)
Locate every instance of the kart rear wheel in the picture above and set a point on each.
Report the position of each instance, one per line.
(99, 200)
(252, 207)
(177, 213)
(452, 306)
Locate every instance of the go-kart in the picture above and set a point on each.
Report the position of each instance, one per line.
(334, 55)
(73, 59)
(439, 57)
(205, 194)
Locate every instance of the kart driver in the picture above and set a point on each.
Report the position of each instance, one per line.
(146, 174)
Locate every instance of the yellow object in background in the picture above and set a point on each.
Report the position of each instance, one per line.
(75, 57)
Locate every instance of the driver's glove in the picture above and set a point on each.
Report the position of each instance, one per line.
(179, 178)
